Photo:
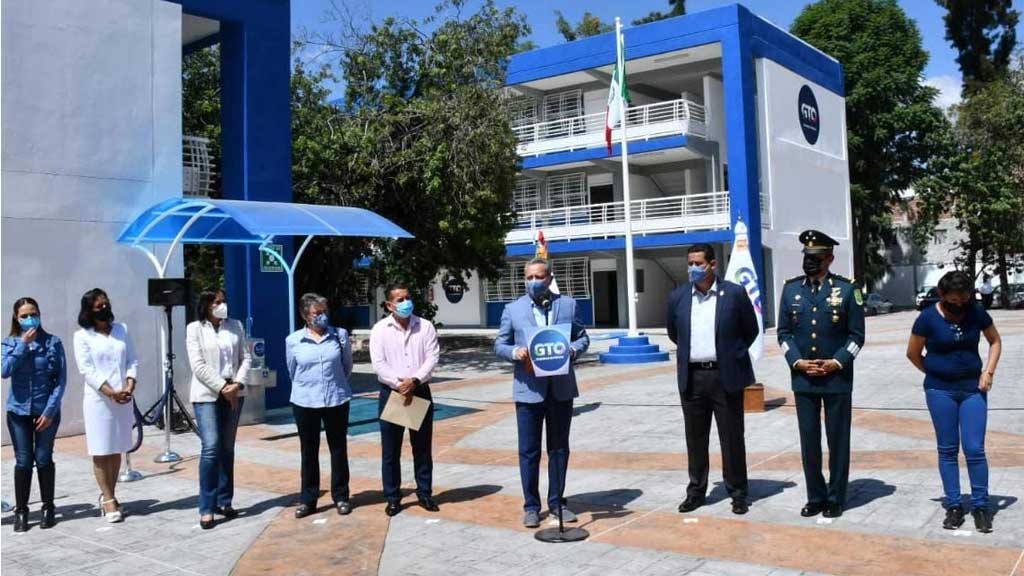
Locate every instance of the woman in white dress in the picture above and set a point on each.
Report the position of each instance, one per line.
(106, 359)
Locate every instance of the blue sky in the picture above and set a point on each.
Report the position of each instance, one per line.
(942, 71)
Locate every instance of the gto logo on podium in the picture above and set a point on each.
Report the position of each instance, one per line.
(549, 350)
(810, 123)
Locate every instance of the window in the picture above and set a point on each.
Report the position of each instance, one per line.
(523, 110)
(526, 196)
(568, 190)
(572, 274)
(940, 236)
(568, 104)
(639, 280)
(510, 285)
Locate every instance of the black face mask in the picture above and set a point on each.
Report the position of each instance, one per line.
(812, 265)
(104, 314)
(954, 309)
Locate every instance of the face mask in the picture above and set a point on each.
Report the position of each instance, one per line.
(404, 309)
(220, 310)
(537, 289)
(812, 266)
(697, 274)
(321, 321)
(954, 309)
(29, 323)
(104, 314)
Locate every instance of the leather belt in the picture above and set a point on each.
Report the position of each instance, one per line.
(704, 365)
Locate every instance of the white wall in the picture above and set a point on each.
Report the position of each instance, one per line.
(91, 136)
(465, 313)
(714, 113)
(808, 184)
(650, 307)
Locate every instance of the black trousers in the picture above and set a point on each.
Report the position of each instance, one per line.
(335, 426)
(706, 397)
(838, 411)
(391, 436)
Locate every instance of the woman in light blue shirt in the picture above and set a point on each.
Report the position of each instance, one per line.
(34, 361)
(319, 358)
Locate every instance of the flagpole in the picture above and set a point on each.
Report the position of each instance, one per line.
(626, 198)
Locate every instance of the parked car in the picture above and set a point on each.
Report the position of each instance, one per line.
(1016, 297)
(927, 298)
(875, 304)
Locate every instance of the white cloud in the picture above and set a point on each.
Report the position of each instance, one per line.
(949, 90)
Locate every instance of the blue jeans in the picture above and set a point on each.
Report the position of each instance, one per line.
(31, 447)
(530, 420)
(959, 417)
(217, 424)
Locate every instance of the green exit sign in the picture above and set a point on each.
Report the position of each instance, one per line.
(268, 263)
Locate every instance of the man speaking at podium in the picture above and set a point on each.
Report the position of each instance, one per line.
(541, 399)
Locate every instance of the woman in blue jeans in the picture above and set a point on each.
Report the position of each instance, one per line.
(34, 361)
(220, 360)
(956, 385)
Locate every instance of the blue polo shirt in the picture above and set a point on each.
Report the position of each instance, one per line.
(952, 361)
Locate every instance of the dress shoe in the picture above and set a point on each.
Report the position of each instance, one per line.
(344, 507)
(982, 520)
(531, 519)
(21, 520)
(207, 524)
(833, 510)
(428, 504)
(740, 506)
(47, 520)
(227, 512)
(954, 518)
(393, 507)
(691, 503)
(305, 510)
(812, 509)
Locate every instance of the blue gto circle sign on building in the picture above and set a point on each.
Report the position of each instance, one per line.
(807, 108)
(550, 352)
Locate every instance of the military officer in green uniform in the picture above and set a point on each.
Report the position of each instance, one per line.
(821, 330)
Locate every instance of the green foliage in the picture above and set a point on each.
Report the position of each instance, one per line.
(200, 89)
(983, 32)
(894, 132)
(589, 25)
(678, 8)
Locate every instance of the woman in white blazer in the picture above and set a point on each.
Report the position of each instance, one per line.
(220, 360)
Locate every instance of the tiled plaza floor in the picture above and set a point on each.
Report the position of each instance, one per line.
(626, 477)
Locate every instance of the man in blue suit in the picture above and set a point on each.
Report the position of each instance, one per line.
(541, 399)
(712, 323)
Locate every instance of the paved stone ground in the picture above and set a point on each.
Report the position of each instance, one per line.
(626, 478)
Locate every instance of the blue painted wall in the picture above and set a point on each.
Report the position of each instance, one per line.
(585, 306)
(255, 43)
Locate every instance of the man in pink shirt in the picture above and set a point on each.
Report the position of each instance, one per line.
(404, 351)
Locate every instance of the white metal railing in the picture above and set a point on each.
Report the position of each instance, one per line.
(643, 122)
(692, 212)
(197, 166)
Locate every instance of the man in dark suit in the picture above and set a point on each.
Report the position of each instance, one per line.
(821, 331)
(712, 323)
(541, 401)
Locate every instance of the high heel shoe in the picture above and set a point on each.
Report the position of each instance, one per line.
(112, 517)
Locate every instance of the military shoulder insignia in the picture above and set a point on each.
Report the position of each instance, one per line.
(794, 279)
(842, 278)
(858, 297)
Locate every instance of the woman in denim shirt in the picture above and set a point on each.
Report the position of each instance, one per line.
(319, 358)
(34, 361)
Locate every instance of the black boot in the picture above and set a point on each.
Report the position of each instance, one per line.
(46, 480)
(22, 488)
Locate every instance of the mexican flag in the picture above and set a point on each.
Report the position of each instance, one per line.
(617, 92)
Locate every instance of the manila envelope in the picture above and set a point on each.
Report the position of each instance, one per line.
(411, 416)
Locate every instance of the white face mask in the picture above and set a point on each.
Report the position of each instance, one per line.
(220, 310)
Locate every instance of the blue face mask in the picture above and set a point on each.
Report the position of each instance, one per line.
(537, 289)
(321, 321)
(697, 274)
(29, 323)
(404, 308)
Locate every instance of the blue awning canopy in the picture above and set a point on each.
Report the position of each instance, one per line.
(207, 221)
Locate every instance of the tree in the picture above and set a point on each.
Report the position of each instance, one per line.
(981, 183)
(894, 130)
(589, 25)
(678, 8)
(983, 32)
(423, 138)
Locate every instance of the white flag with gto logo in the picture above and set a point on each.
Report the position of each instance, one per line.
(741, 271)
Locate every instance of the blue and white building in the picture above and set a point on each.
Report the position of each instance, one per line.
(732, 118)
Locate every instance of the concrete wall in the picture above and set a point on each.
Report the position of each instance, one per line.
(91, 136)
(650, 306)
(468, 312)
